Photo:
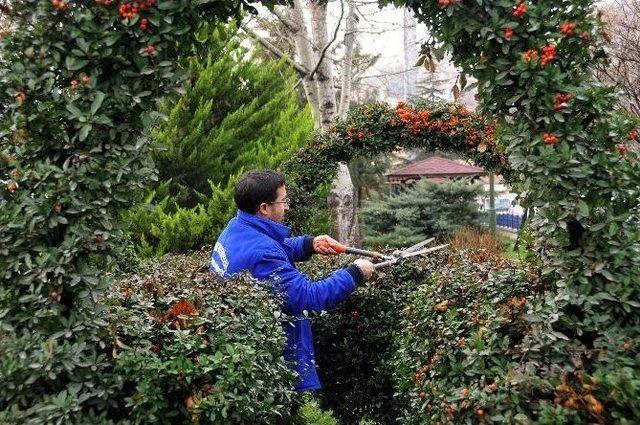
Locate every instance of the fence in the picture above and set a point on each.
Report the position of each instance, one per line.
(504, 221)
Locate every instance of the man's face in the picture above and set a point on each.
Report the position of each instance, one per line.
(277, 209)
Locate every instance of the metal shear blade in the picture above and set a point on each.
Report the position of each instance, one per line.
(410, 252)
(415, 247)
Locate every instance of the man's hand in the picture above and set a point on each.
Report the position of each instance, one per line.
(366, 267)
(326, 245)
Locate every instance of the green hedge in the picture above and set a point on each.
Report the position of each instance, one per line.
(461, 340)
(365, 349)
(354, 343)
(194, 349)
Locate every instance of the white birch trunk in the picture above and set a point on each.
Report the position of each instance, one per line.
(347, 67)
(324, 78)
(321, 95)
(305, 55)
(410, 75)
(343, 203)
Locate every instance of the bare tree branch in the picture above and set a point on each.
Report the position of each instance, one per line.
(621, 19)
(273, 49)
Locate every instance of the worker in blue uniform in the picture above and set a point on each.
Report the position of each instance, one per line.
(256, 241)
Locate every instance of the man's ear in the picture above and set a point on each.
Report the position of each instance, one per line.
(262, 209)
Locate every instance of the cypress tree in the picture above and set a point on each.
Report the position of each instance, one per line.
(427, 209)
(241, 112)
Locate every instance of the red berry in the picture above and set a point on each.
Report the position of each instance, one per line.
(548, 54)
(55, 296)
(550, 139)
(85, 79)
(150, 49)
(622, 149)
(626, 346)
(508, 33)
(567, 28)
(143, 24)
(12, 186)
(74, 83)
(480, 413)
(520, 10)
(530, 54)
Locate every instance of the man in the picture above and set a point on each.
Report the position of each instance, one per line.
(255, 240)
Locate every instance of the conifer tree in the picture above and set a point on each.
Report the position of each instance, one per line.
(427, 209)
(240, 113)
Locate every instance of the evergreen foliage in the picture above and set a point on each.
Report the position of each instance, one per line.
(368, 175)
(424, 210)
(79, 82)
(240, 113)
(195, 349)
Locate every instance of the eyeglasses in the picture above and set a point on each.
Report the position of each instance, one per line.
(286, 201)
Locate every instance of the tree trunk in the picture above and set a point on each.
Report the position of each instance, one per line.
(324, 78)
(410, 75)
(304, 52)
(311, 44)
(347, 67)
(343, 203)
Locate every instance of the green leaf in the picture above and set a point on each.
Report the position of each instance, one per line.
(583, 208)
(97, 102)
(84, 131)
(74, 64)
(75, 111)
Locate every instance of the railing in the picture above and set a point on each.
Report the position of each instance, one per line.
(504, 221)
(509, 222)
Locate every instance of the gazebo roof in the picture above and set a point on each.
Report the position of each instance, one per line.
(437, 166)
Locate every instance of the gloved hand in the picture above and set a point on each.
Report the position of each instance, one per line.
(366, 267)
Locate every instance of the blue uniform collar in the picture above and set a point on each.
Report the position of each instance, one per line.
(271, 228)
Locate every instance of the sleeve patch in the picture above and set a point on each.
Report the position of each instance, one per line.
(219, 262)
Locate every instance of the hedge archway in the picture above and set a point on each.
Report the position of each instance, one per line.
(567, 144)
(79, 76)
(377, 128)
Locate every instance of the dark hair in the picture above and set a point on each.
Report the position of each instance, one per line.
(255, 187)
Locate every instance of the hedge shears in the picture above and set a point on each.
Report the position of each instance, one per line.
(390, 260)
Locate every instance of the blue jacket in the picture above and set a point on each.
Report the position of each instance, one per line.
(263, 248)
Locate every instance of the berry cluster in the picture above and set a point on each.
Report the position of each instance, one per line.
(548, 54)
(567, 28)
(508, 33)
(520, 10)
(131, 9)
(560, 101)
(59, 4)
(530, 55)
(447, 3)
(622, 149)
(85, 80)
(550, 139)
